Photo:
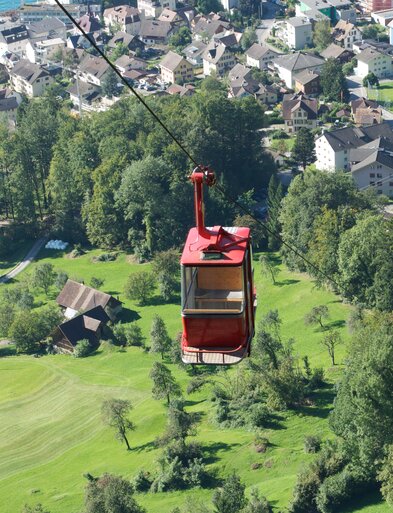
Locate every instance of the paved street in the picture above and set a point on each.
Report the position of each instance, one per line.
(356, 90)
(25, 262)
(267, 22)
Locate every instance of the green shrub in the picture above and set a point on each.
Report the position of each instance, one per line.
(82, 348)
(142, 481)
(317, 378)
(312, 444)
(339, 489)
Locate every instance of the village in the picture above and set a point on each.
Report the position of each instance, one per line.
(287, 57)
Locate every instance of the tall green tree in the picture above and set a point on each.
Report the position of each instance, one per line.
(115, 414)
(109, 84)
(43, 276)
(333, 81)
(304, 148)
(231, 497)
(160, 341)
(322, 36)
(164, 384)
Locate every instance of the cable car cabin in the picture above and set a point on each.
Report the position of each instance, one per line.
(218, 297)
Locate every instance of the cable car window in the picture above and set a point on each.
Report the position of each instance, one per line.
(212, 290)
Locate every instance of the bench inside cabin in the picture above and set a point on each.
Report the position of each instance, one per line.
(215, 290)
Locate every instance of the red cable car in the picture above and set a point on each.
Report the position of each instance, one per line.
(218, 295)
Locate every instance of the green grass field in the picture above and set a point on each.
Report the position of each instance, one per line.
(52, 433)
(20, 251)
(384, 94)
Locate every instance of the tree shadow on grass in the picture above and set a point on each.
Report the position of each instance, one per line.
(336, 324)
(372, 498)
(286, 282)
(7, 351)
(323, 403)
(159, 301)
(210, 451)
(274, 422)
(148, 446)
(128, 315)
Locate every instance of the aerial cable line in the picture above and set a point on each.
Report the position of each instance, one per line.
(224, 193)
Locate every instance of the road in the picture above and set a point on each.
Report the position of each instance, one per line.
(25, 262)
(268, 20)
(357, 90)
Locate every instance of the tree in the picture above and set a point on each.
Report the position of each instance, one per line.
(159, 338)
(181, 38)
(207, 6)
(60, 279)
(385, 476)
(331, 340)
(370, 32)
(166, 269)
(274, 198)
(180, 423)
(249, 38)
(109, 84)
(119, 50)
(38, 508)
(268, 267)
(322, 36)
(304, 148)
(230, 498)
(333, 82)
(140, 287)
(7, 314)
(96, 283)
(370, 80)
(43, 277)
(257, 230)
(114, 414)
(316, 314)
(164, 384)
(257, 504)
(111, 494)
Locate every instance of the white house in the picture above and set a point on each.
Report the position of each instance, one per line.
(124, 17)
(391, 32)
(29, 79)
(345, 34)
(288, 66)
(371, 60)
(218, 59)
(297, 32)
(14, 40)
(41, 51)
(153, 8)
(258, 56)
(372, 165)
(93, 70)
(333, 148)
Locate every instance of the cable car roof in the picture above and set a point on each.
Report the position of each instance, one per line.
(216, 246)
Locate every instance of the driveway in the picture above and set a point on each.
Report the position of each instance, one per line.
(25, 262)
(355, 87)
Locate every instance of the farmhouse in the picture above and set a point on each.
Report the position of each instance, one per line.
(88, 325)
(76, 297)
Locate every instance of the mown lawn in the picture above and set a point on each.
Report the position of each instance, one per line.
(383, 93)
(51, 431)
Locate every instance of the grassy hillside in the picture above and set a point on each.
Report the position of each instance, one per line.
(51, 432)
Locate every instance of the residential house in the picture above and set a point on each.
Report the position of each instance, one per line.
(366, 112)
(31, 13)
(308, 82)
(14, 40)
(84, 96)
(153, 8)
(8, 105)
(29, 79)
(297, 32)
(241, 87)
(288, 66)
(258, 56)
(370, 6)
(333, 10)
(383, 17)
(89, 23)
(93, 69)
(217, 59)
(47, 28)
(372, 165)
(128, 62)
(206, 28)
(76, 297)
(267, 94)
(123, 18)
(42, 51)
(229, 38)
(333, 148)
(299, 111)
(194, 51)
(339, 53)
(175, 18)
(181, 90)
(175, 69)
(374, 61)
(9, 59)
(239, 71)
(131, 42)
(155, 32)
(86, 326)
(345, 34)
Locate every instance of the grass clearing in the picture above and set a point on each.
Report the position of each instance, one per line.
(383, 94)
(20, 251)
(50, 424)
